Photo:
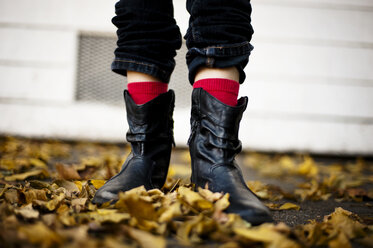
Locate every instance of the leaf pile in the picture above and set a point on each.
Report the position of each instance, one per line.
(46, 188)
(314, 181)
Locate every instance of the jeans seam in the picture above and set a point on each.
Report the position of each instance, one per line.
(229, 46)
(141, 63)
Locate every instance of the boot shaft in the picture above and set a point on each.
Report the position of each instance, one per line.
(150, 122)
(214, 136)
(151, 134)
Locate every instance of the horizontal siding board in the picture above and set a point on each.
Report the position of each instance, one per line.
(51, 47)
(304, 60)
(67, 14)
(37, 84)
(268, 17)
(273, 134)
(66, 121)
(314, 24)
(310, 99)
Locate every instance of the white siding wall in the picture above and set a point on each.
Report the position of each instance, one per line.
(309, 80)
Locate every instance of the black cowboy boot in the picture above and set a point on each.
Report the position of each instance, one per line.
(151, 136)
(213, 145)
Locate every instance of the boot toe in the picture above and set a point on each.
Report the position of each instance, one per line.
(103, 196)
(255, 217)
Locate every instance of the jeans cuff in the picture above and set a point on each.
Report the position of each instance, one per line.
(121, 66)
(221, 56)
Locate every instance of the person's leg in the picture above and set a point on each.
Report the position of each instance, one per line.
(219, 35)
(218, 41)
(147, 39)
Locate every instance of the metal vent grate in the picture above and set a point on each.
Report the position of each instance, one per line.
(98, 84)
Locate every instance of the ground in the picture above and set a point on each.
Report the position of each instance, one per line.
(46, 189)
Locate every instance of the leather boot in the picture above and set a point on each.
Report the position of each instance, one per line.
(151, 136)
(213, 145)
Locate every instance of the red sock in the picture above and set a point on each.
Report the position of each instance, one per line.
(143, 92)
(225, 90)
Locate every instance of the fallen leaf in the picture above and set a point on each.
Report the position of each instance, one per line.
(11, 196)
(107, 215)
(289, 206)
(35, 194)
(194, 199)
(53, 204)
(308, 168)
(38, 163)
(133, 201)
(67, 172)
(27, 212)
(267, 234)
(68, 185)
(174, 210)
(22, 176)
(97, 183)
(40, 234)
(146, 239)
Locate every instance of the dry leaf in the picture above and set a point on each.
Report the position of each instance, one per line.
(40, 234)
(176, 213)
(107, 215)
(67, 172)
(11, 196)
(38, 163)
(27, 212)
(133, 201)
(288, 206)
(22, 176)
(97, 183)
(35, 194)
(194, 199)
(146, 239)
(174, 210)
(267, 234)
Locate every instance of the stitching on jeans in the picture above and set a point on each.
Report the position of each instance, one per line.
(140, 63)
(231, 46)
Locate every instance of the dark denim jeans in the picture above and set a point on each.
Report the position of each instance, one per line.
(218, 36)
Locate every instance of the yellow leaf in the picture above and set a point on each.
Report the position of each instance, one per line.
(98, 183)
(53, 204)
(308, 168)
(266, 233)
(288, 206)
(137, 205)
(222, 203)
(185, 229)
(287, 163)
(108, 215)
(171, 212)
(194, 199)
(340, 241)
(38, 163)
(208, 195)
(79, 184)
(145, 239)
(23, 176)
(347, 222)
(40, 234)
